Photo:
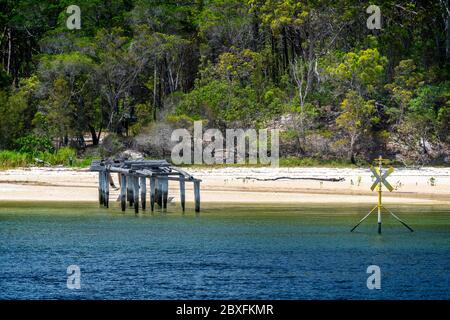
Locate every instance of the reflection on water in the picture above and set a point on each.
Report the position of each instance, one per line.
(232, 252)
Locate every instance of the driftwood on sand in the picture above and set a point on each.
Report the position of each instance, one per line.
(293, 178)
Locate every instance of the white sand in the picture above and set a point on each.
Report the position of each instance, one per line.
(224, 185)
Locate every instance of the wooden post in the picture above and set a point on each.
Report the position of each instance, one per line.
(143, 181)
(136, 194)
(158, 192)
(100, 187)
(197, 195)
(182, 192)
(133, 177)
(130, 196)
(106, 189)
(123, 191)
(103, 188)
(165, 191)
(152, 192)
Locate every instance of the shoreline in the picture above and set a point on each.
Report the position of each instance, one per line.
(425, 186)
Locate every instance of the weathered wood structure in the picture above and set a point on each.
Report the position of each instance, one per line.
(133, 177)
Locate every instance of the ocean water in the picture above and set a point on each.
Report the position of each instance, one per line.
(225, 252)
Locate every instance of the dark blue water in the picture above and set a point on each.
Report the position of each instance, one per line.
(228, 253)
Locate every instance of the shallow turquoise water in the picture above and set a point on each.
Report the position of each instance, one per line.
(233, 252)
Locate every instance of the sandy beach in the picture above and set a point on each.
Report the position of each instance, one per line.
(243, 185)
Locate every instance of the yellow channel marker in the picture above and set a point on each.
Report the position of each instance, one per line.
(380, 180)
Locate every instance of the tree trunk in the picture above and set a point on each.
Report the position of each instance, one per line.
(255, 32)
(95, 138)
(351, 151)
(160, 87)
(8, 65)
(275, 67)
(447, 42)
(154, 92)
(285, 48)
(301, 151)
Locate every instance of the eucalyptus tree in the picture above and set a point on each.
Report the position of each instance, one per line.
(68, 93)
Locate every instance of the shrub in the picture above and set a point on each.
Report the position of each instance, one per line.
(112, 144)
(154, 141)
(11, 159)
(32, 144)
(64, 156)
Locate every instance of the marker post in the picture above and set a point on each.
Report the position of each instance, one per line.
(380, 180)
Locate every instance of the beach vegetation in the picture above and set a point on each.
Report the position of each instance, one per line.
(339, 92)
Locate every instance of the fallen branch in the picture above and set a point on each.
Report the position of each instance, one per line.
(293, 178)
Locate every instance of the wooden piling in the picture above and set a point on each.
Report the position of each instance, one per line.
(152, 192)
(133, 180)
(100, 187)
(104, 177)
(165, 191)
(197, 195)
(130, 196)
(123, 191)
(136, 194)
(158, 192)
(143, 185)
(106, 189)
(182, 192)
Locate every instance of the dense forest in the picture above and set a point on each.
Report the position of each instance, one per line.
(138, 69)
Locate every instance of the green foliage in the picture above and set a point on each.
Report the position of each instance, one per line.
(280, 13)
(5, 79)
(13, 116)
(233, 91)
(172, 17)
(144, 116)
(222, 101)
(356, 119)
(357, 114)
(402, 89)
(224, 24)
(32, 144)
(64, 156)
(240, 66)
(361, 71)
(430, 110)
(313, 162)
(12, 159)
(67, 85)
(180, 121)
(310, 67)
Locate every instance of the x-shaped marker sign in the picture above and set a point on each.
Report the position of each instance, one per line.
(381, 178)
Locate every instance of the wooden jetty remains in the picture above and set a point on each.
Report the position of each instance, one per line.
(133, 177)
